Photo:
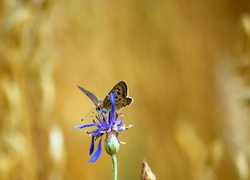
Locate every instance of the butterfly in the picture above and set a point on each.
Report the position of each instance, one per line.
(121, 98)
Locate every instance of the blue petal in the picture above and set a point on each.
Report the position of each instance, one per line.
(83, 126)
(92, 147)
(98, 153)
(112, 99)
(119, 122)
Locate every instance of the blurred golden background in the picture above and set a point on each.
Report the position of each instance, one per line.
(187, 65)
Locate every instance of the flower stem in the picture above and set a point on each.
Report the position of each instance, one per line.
(114, 162)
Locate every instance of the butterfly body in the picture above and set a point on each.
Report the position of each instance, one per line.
(121, 96)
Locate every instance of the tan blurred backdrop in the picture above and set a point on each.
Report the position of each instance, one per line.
(187, 65)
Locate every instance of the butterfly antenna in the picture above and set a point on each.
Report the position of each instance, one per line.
(87, 114)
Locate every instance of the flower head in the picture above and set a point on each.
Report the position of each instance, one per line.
(105, 123)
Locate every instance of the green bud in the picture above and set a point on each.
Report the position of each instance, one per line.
(111, 144)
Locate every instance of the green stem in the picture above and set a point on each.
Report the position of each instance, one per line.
(114, 162)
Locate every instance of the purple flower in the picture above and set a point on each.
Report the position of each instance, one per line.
(106, 123)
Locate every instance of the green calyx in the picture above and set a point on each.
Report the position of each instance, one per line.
(111, 144)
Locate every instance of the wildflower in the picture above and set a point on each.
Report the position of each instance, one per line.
(109, 124)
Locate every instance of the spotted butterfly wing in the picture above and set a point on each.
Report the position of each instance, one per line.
(121, 92)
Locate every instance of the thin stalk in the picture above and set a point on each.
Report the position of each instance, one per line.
(114, 162)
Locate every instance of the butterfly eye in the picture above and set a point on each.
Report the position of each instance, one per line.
(98, 108)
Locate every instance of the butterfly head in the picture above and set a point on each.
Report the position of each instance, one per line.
(101, 110)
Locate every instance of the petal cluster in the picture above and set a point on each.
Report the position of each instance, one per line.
(105, 123)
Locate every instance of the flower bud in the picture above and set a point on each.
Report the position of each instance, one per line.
(111, 144)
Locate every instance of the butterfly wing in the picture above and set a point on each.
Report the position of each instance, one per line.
(90, 95)
(129, 101)
(121, 90)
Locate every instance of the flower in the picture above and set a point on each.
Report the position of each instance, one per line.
(109, 124)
